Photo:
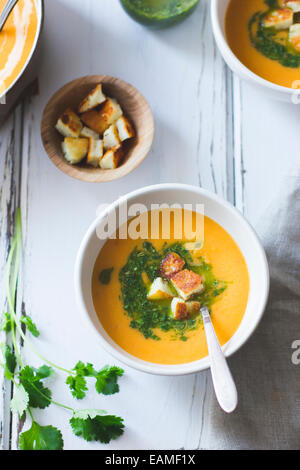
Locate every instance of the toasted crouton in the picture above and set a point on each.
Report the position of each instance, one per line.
(75, 150)
(112, 158)
(160, 290)
(111, 137)
(100, 118)
(294, 37)
(95, 98)
(279, 19)
(95, 152)
(187, 283)
(193, 307)
(171, 265)
(69, 124)
(125, 129)
(179, 309)
(293, 5)
(86, 132)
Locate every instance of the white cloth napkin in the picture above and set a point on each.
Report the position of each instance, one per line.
(268, 415)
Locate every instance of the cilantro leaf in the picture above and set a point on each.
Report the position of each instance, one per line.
(96, 425)
(30, 325)
(10, 361)
(77, 386)
(31, 379)
(6, 323)
(20, 400)
(77, 383)
(41, 438)
(106, 380)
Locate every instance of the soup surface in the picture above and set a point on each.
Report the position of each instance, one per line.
(265, 51)
(16, 41)
(145, 328)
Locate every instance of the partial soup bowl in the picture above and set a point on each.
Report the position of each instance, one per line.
(218, 16)
(215, 208)
(25, 81)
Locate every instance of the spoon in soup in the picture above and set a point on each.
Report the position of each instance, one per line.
(10, 4)
(224, 385)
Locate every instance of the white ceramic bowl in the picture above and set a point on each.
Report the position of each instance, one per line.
(218, 13)
(215, 208)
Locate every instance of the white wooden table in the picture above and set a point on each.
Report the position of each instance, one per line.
(211, 130)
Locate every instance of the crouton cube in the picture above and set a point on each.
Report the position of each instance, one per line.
(279, 19)
(112, 158)
(95, 152)
(95, 98)
(179, 309)
(293, 5)
(193, 307)
(187, 283)
(100, 118)
(111, 137)
(75, 150)
(86, 132)
(69, 124)
(171, 265)
(160, 290)
(125, 128)
(294, 36)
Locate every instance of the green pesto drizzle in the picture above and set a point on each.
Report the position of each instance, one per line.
(269, 42)
(148, 315)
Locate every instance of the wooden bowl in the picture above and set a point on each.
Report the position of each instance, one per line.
(134, 106)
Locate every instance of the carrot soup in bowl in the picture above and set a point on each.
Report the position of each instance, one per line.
(141, 288)
(17, 40)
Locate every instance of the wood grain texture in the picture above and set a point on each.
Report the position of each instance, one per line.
(134, 106)
(211, 130)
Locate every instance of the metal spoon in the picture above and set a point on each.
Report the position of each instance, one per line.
(6, 12)
(224, 385)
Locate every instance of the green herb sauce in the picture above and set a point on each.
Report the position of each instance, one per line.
(270, 42)
(147, 316)
(159, 12)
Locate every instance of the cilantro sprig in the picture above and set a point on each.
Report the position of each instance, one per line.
(30, 388)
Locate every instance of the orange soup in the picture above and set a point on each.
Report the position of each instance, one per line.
(16, 41)
(126, 271)
(263, 36)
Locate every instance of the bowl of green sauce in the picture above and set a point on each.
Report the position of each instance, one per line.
(159, 13)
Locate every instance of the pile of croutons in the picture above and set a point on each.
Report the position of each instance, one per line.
(185, 282)
(96, 133)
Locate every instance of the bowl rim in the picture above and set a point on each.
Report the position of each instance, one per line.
(136, 363)
(116, 173)
(234, 63)
(40, 13)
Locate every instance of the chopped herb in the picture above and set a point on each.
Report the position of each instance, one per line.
(105, 276)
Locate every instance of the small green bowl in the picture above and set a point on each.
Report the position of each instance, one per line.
(159, 13)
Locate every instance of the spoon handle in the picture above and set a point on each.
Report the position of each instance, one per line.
(6, 12)
(224, 385)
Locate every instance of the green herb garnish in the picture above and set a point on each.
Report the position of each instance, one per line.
(269, 42)
(147, 316)
(30, 390)
(105, 276)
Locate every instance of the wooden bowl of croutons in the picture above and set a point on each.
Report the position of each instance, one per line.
(97, 128)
